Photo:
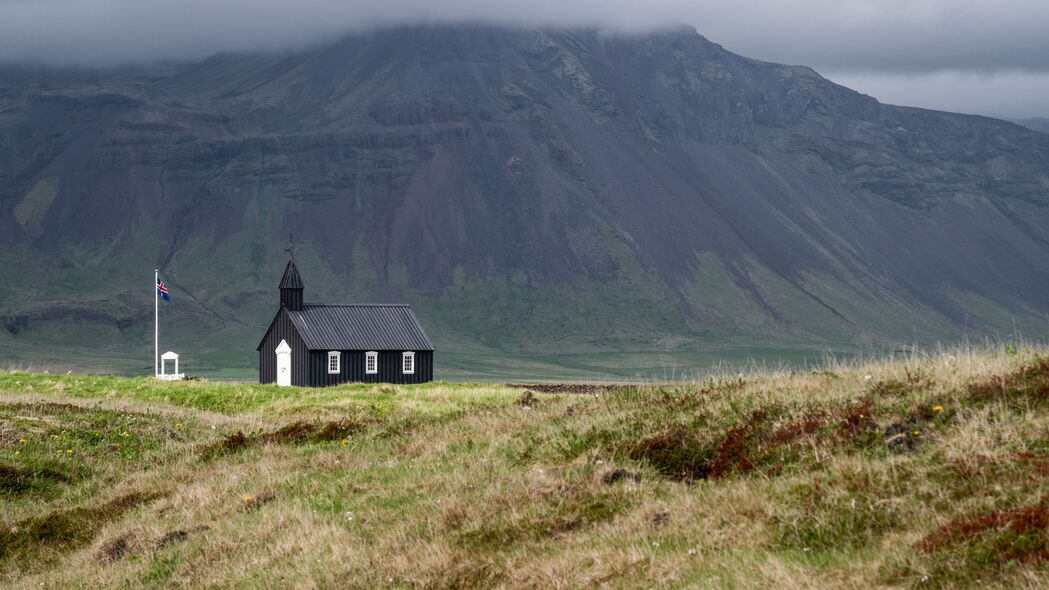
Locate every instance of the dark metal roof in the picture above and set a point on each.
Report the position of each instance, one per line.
(291, 278)
(368, 326)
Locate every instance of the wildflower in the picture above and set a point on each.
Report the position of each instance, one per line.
(178, 426)
(21, 441)
(866, 377)
(937, 408)
(124, 434)
(69, 451)
(345, 442)
(17, 453)
(247, 499)
(692, 552)
(917, 432)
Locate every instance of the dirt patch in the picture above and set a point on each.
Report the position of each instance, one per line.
(341, 429)
(176, 536)
(572, 388)
(172, 537)
(114, 549)
(678, 454)
(660, 519)
(295, 432)
(230, 444)
(617, 475)
(298, 432)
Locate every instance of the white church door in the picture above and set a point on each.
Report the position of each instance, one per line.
(283, 364)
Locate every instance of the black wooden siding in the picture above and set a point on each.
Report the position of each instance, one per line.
(283, 329)
(291, 299)
(351, 367)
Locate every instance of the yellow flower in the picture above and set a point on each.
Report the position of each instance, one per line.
(178, 425)
(247, 498)
(17, 453)
(937, 408)
(124, 434)
(69, 451)
(345, 442)
(21, 441)
(917, 432)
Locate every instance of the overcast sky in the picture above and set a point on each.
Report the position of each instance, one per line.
(977, 56)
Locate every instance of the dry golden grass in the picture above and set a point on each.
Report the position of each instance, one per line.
(928, 471)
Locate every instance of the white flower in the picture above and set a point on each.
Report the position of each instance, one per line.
(866, 377)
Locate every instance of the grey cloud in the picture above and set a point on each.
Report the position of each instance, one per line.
(884, 47)
(873, 35)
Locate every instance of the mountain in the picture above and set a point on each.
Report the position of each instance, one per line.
(551, 202)
(1036, 123)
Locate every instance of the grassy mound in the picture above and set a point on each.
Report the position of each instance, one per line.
(930, 472)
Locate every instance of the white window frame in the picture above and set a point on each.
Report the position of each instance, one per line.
(334, 355)
(408, 363)
(371, 362)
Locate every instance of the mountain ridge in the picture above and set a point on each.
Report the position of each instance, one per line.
(527, 190)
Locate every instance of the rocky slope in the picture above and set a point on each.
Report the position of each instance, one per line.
(528, 191)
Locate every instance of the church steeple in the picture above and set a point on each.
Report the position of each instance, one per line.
(291, 284)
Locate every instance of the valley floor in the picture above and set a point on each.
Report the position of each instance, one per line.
(931, 471)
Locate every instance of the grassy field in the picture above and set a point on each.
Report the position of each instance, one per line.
(931, 471)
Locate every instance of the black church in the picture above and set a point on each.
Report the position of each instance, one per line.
(318, 345)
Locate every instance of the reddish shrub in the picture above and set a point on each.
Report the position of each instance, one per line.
(856, 418)
(733, 454)
(1020, 521)
(1029, 382)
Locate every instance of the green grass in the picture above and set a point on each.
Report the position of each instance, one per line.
(931, 471)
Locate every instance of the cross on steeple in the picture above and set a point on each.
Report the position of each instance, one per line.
(291, 247)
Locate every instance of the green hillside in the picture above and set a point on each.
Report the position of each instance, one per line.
(924, 472)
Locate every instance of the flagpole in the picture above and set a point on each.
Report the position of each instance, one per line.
(156, 323)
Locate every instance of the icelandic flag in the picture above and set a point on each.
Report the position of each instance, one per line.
(162, 290)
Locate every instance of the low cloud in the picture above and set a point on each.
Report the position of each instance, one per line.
(887, 42)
